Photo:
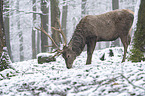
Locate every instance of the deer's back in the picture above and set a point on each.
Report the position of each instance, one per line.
(108, 26)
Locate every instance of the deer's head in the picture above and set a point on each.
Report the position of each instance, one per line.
(67, 53)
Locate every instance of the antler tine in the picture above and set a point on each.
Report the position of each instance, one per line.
(60, 31)
(57, 54)
(41, 29)
(59, 24)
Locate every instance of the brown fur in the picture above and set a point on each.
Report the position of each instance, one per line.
(95, 28)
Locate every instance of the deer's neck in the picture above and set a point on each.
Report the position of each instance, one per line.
(77, 43)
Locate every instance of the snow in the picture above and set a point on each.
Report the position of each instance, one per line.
(45, 54)
(101, 78)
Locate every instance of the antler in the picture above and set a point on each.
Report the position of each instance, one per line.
(41, 29)
(61, 32)
(58, 51)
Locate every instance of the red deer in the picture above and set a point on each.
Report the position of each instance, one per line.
(95, 28)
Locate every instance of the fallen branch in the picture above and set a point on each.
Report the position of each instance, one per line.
(132, 83)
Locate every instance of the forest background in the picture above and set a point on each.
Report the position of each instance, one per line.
(22, 16)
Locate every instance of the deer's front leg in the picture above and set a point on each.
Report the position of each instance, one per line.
(90, 49)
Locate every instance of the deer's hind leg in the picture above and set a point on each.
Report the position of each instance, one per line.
(91, 43)
(126, 41)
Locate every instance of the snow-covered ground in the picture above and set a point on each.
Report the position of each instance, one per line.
(101, 78)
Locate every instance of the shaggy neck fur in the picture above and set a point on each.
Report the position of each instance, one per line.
(77, 43)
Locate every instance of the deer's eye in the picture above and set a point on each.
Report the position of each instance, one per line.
(68, 56)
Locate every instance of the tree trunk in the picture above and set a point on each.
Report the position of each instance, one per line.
(20, 33)
(6, 26)
(1, 38)
(55, 15)
(64, 18)
(2, 33)
(38, 42)
(138, 50)
(34, 32)
(44, 23)
(83, 7)
(4, 57)
(83, 13)
(115, 5)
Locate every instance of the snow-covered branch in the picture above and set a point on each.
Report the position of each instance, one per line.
(132, 83)
(26, 12)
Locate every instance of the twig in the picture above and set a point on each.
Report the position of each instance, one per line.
(26, 12)
(132, 83)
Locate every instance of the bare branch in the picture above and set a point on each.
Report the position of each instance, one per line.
(132, 83)
(25, 12)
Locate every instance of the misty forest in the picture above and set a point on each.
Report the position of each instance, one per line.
(72, 48)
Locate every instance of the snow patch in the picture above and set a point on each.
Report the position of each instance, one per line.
(101, 78)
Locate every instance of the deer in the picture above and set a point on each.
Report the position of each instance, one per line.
(95, 28)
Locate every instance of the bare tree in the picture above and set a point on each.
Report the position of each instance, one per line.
(64, 17)
(55, 15)
(83, 13)
(20, 32)
(115, 5)
(44, 23)
(83, 7)
(38, 42)
(6, 26)
(34, 32)
(4, 57)
(2, 33)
